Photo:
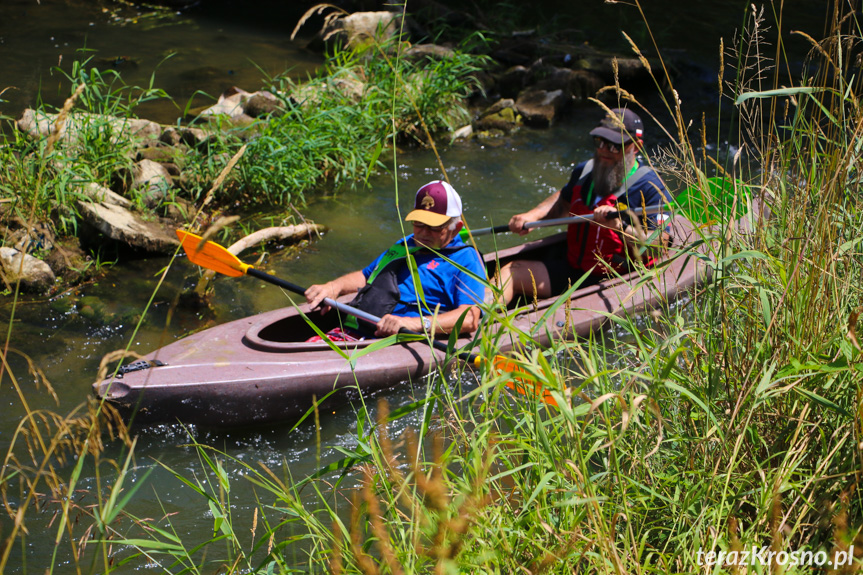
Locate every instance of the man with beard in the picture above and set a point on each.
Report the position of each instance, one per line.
(612, 242)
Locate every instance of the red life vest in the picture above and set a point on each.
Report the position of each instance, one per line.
(592, 248)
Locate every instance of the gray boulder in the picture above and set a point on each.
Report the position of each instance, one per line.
(262, 103)
(502, 115)
(539, 108)
(361, 29)
(152, 181)
(230, 106)
(34, 274)
(39, 125)
(419, 52)
(111, 215)
(575, 84)
(307, 96)
(186, 136)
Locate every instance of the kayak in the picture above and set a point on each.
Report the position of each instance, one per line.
(261, 369)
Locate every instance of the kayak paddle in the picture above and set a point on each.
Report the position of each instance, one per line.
(698, 206)
(214, 257)
(650, 210)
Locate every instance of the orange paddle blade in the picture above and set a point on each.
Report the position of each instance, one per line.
(525, 384)
(211, 255)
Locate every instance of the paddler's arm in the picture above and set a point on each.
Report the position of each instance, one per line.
(348, 283)
(442, 323)
(550, 208)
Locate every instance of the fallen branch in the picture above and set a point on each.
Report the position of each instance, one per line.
(289, 233)
(281, 233)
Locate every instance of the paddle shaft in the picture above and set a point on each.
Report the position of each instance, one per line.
(350, 310)
(568, 220)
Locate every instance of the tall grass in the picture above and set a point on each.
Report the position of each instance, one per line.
(728, 423)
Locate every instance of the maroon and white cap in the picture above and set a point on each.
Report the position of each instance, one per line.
(436, 203)
(619, 127)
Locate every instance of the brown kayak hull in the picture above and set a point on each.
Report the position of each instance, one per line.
(260, 370)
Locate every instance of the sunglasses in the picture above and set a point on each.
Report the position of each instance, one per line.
(434, 229)
(600, 143)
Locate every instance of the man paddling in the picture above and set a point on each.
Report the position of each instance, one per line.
(607, 245)
(450, 274)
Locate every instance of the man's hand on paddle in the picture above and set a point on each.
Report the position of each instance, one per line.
(317, 293)
(601, 218)
(391, 324)
(348, 283)
(516, 224)
(551, 207)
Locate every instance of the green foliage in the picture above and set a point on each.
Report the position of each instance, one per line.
(95, 142)
(329, 130)
(332, 128)
(30, 184)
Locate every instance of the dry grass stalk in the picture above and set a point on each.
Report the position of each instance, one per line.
(376, 519)
(734, 542)
(365, 563)
(336, 565)
(433, 487)
(38, 374)
(384, 437)
(319, 9)
(395, 475)
(57, 129)
(777, 542)
(221, 178)
(567, 307)
(254, 523)
(852, 327)
(638, 53)
(431, 507)
(533, 285)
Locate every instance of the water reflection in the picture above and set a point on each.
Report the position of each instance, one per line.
(184, 54)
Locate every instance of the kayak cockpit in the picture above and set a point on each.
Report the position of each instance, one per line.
(289, 331)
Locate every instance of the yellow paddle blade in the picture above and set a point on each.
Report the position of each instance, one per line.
(211, 255)
(525, 384)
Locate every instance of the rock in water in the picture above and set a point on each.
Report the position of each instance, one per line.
(35, 275)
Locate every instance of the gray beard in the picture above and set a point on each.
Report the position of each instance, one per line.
(606, 179)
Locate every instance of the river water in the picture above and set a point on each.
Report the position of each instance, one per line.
(67, 337)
